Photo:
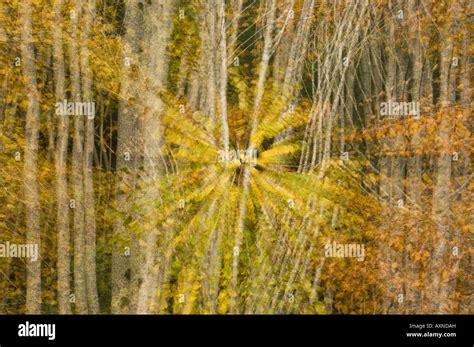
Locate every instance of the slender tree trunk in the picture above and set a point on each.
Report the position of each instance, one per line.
(223, 77)
(298, 50)
(89, 200)
(62, 219)
(236, 14)
(268, 40)
(414, 170)
(208, 47)
(158, 25)
(465, 306)
(390, 173)
(77, 167)
(31, 194)
(442, 188)
(127, 161)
